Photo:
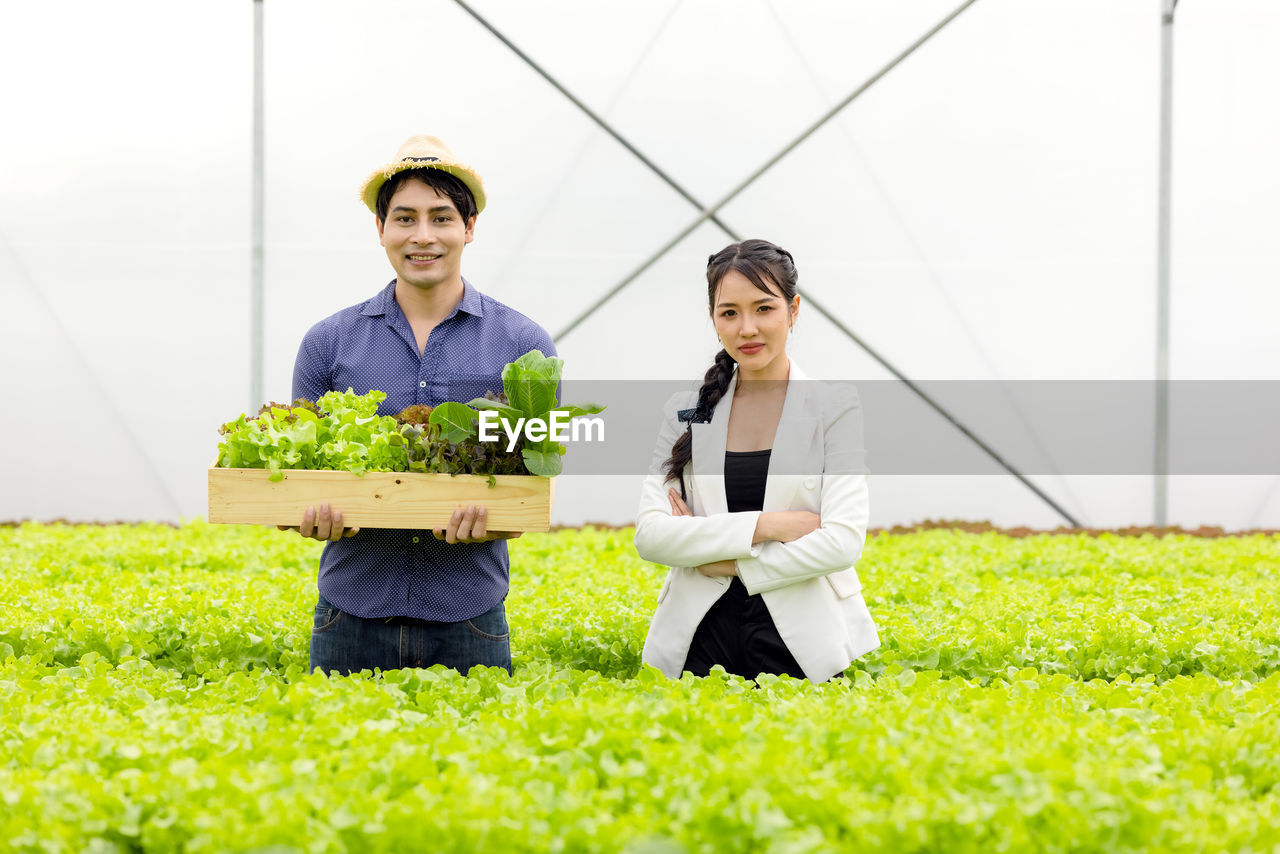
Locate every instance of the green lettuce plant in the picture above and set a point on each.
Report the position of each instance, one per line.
(343, 431)
(1052, 693)
(529, 386)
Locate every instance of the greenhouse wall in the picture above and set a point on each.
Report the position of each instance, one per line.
(985, 212)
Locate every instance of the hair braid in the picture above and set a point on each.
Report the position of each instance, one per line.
(771, 269)
(714, 385)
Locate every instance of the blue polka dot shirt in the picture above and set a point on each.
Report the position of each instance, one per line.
(400, 573)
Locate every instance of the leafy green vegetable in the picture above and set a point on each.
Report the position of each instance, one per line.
(343, 431)
(455, 420)
(530, 386)
(154, 697)
(530, 383)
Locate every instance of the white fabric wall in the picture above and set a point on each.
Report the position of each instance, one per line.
(986, 211)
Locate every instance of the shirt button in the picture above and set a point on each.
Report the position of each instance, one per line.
(810, 482)
(422, 384)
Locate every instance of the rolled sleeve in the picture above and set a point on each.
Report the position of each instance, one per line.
(685, 540)
(835, 546)
(844, 508)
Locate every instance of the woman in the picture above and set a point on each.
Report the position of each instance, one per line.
(757, 497)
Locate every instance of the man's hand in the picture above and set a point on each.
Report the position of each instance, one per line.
(322, 526)
(784, 526)
(468, 526)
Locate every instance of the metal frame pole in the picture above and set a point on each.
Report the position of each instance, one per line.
(1163, 244)
(256, 253)
(709, 214)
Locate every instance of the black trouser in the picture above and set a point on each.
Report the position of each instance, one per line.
(738, 633)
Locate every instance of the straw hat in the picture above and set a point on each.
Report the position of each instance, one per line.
(423, 152)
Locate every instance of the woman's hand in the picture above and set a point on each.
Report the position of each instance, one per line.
(322, 526)
(718, 569)
(785, 525)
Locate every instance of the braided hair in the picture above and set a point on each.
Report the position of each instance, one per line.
(762, 263)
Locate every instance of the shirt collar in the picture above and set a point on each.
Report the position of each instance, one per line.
(385, 302)
(382, 303)
(471, 302)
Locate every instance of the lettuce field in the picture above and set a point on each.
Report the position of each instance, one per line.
(1048, 693)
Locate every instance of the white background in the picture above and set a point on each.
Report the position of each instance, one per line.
(986, 211)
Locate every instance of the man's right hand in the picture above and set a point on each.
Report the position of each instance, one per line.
(326, 524)
(784, 526)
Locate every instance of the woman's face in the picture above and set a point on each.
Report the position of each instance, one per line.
(753, 325)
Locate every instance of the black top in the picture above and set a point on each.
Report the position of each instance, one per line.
(745, 474)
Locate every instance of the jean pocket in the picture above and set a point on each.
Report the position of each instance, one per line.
(491, 626)
(326, 618)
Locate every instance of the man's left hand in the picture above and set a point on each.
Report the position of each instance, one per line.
(468, 526)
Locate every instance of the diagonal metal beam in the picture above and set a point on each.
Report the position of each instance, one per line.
(919, 250)
(709, 214)
(84, 367)
(589, 139)
(1255, 521)
(937, 407)
(587, 111)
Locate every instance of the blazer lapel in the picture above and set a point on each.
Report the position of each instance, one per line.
(709, 442)
(794, 445)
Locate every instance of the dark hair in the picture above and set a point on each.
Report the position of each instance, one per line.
(762, 263)
(437, 179)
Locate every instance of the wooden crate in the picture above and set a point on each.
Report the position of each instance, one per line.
(378, 499)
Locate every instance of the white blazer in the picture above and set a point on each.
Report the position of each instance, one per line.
(809, 585)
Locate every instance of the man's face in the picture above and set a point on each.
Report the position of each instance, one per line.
(424, 235)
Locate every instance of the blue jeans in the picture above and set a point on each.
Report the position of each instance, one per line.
(345, 643)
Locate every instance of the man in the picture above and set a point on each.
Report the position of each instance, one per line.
(403, 598)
